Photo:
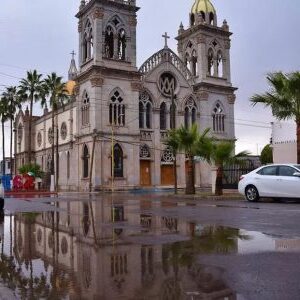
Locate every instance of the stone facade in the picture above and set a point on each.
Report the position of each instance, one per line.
(118, 104)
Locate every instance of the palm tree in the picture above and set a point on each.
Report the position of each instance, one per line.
(13, 100)
(192, 144)
(173, 142)
(284, 99)
(222, 154)
(4, 117)
(31, 90)
(55, 89)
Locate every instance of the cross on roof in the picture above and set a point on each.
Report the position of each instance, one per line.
(166, 37)
(73, 54)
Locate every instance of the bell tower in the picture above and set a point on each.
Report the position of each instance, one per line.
(204, 46)
(107, 33)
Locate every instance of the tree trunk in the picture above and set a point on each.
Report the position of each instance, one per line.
(175, 174)
(52, 146)
(11, 145)
(219, 181)
(56, 156)
(30, 129)
(190, 184)
(3, 149)
(298, 142)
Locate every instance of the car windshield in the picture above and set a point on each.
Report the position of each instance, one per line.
(297, 166)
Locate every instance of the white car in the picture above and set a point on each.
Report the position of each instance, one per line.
(271, 181)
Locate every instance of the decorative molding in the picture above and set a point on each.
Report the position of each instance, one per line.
(231, 98)
(79, 26)
(76, 90)
(97, 81)
(227, 44)
(132, 21)
(203, 96)
(98, 13)
(201, 39)
(136, 86)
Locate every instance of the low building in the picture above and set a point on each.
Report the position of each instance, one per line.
(9, 166)
(284, 142)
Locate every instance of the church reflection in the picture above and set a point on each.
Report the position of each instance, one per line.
(109, 250)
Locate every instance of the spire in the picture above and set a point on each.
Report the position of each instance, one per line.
(72, 70)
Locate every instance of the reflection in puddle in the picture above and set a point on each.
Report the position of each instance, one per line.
(104, 250)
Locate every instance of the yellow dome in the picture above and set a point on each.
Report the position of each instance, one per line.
(203, 5)
(70, 85)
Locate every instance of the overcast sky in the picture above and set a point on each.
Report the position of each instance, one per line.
(41, 34)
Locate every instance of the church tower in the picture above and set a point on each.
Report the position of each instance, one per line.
(107, 90)
(205, 49)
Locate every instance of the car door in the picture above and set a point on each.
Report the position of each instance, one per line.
(265, 181)
(288, 184)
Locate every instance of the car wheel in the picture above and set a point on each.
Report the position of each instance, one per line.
(252, 193)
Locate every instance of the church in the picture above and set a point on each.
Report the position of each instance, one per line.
(112, 132)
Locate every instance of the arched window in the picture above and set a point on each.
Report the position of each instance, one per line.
(163, 116)
(117, 110)
(167, 156)
(85, 162)
(144, 151)
(145, 110)
(210, 62)
(220, 64)
(118, 161)
(122, 44)
(211, 18)
(218, 117)
(87, 41)
(186, 117)
(192, 19)
(68, 165)
(188, 61)
(85, 109)
(173, 116)
(109, 42)
(194, 63)
(49, 163)
(190, 112)
(203, 15)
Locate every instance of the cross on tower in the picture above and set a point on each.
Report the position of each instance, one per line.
(166, 37)
(73, 54)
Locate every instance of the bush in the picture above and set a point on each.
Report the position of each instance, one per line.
(33, 169)
(266, 156)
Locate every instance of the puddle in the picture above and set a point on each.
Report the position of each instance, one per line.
(111, 250)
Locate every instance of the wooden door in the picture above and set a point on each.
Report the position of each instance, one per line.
(145, 172)
(167, 175)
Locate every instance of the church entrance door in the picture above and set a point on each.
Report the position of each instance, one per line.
(167, 175)
(145, 172)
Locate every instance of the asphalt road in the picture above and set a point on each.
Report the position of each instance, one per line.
(265, 267)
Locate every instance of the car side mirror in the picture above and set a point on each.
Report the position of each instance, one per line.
(297, 174)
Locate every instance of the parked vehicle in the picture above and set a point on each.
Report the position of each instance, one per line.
(271, 181)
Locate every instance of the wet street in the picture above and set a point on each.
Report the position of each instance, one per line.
(140, 247)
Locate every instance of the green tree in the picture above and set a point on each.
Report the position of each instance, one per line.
(13, 103)
(31, 90)
(192, 144)
(4, 118)
(283, 98)
(55, 89)
(221, 155)
(173, 143)
(266, 156)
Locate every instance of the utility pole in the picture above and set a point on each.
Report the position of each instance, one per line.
(173, 126)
